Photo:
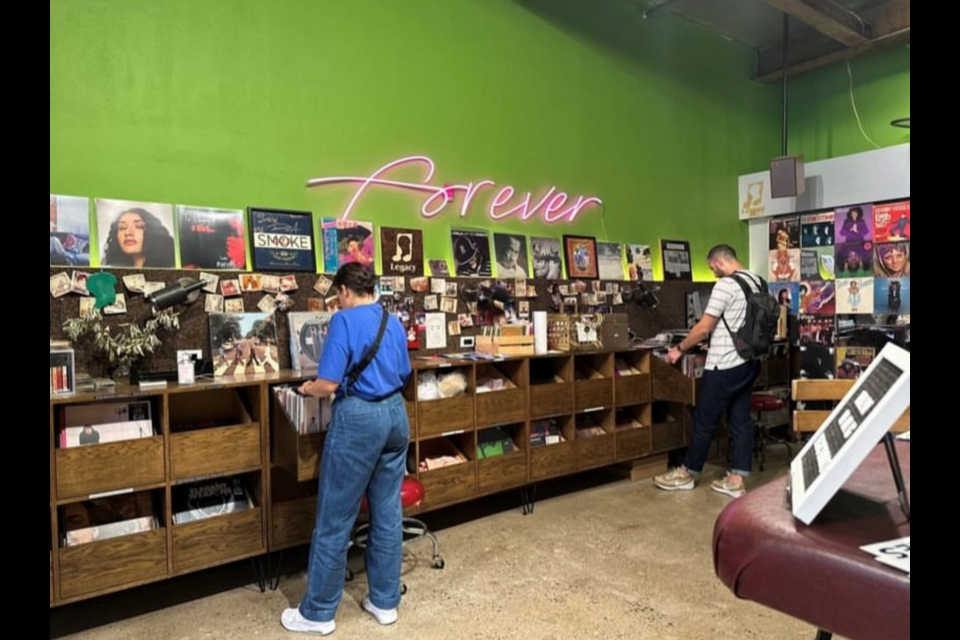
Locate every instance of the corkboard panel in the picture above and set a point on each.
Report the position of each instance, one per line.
(194, 331)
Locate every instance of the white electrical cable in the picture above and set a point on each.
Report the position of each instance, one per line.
(853, 104)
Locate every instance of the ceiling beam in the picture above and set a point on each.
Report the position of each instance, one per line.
(847, 53)
(811, 50)
(827, 17)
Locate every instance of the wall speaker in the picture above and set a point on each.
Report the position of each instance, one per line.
(786, 177)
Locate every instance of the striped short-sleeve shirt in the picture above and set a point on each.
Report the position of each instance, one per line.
(727, 301)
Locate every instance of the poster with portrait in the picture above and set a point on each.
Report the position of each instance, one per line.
(855, 295)
(308, 333)
(818, 297)
(817, 230)
(69, 231)
(212, 238)
(610, 260)
(471, 253)
(401, 251)
(547, 261)
(891, 259)
(346, 241)
(854, 259)
(639, 262)
(854, 224)
(785, 232)
(135, 235)
(282, 240)
(891, 296)
(891, 222)
(787, 294)
(580, 253)
(783, 265)
(675, 255)
(511, 253)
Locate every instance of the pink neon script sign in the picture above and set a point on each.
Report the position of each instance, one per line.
(555, 206)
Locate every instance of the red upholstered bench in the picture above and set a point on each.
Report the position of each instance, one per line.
(818, 573)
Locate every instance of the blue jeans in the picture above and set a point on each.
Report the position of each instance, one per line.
(724, 390)
(365, 453)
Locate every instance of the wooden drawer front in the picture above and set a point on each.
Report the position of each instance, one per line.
(217, 540)
(449, 485)
(552, 460)
(206, 452)
(444, 416)
(83, 471)
(503, 472)
(634, 443)
(293, 523)
(550, 400)
(596, 451)
(114, 563)
(630, 390)
(300, 455)
(668, 435)
(501, 407)
(594, 394)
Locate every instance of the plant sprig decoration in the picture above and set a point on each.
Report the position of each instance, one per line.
(130, 341)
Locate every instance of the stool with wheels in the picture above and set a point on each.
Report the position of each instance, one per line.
(759, 404)
(412, 493)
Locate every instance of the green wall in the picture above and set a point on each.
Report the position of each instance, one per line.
(231, 103)
(823, 123)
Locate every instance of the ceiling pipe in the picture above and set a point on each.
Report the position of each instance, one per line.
(786, 64)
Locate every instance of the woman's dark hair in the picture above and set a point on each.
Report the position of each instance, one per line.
(859, 213)
(158, 248)
(357, 278)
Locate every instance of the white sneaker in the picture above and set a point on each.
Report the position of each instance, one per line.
(292, 620)
(383, 616)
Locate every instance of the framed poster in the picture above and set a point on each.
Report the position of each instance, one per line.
(135, 235)
(402, 251)
(675, 256)
(282, 240)
(471, 253)
(212, 238)
(581, 256)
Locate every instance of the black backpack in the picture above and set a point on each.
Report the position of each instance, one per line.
(753, 339)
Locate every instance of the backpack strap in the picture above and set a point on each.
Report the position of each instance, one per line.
(747, 292)
(371, 353)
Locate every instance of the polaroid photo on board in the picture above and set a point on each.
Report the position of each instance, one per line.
(150, 288)
(78, 282)
(251, 282)
(213, 303)
(233, 305)
(420, 285)
(60, 285)
(212, 280)
(448, 305)
(270, 284)
(438, 285)
(87, 306)
(135, 283)
(288, 283)
(430, 302)
(267, 304)
(322, 286)
(118, 308)
(230, 288)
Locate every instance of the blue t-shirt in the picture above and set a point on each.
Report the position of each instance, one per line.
(352, 331)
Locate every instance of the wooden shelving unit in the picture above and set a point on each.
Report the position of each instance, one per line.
(236, 429)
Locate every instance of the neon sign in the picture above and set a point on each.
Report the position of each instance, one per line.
(554, 206)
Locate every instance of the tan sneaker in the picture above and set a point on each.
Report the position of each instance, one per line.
(731, 485)
(678, 479)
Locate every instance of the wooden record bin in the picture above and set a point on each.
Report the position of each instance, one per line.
(113, 495)
(516, 423)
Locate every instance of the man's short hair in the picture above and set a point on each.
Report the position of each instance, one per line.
(722, 251)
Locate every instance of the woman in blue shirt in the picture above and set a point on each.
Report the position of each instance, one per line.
(365, 453)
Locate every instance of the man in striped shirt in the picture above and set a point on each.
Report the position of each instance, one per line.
(726, 383)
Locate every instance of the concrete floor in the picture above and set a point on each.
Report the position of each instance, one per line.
(601, 558)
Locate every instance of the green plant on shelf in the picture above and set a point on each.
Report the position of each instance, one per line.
(124, 344)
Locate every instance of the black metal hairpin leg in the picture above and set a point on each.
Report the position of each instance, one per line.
(528, 499)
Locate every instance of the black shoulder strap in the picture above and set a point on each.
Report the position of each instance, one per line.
(747, 292)
(371, 353)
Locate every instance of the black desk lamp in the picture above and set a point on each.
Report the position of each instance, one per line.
(183, 291)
